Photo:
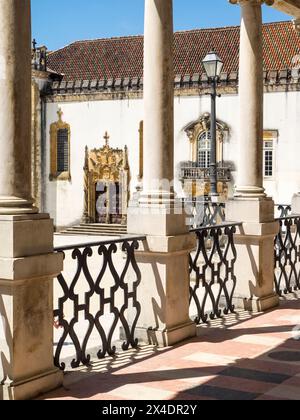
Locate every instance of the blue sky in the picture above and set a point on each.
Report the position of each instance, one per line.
(56, 23)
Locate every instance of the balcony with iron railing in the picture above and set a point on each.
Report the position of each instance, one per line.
(192, 171)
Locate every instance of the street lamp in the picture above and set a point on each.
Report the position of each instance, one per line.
(213, 66)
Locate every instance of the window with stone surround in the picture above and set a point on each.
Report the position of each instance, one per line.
(60, 134)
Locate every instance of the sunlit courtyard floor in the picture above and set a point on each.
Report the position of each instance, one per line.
(240, 358)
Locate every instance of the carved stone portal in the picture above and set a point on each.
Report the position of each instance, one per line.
(106, 185)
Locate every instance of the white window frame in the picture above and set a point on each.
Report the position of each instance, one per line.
(204, 139)
(269, 147)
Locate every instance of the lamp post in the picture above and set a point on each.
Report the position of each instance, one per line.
(213, 66)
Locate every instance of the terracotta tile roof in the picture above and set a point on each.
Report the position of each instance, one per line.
(123, 57)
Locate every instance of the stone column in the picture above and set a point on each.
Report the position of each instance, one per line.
(27, 261)
(255, 241)
(15, 105)
(250, 178)
(164, 261)
(158, 102)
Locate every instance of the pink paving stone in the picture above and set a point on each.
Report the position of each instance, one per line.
(187, 397)
(233, 349)
(269, 398)
(240, 384)
(294, 381)
(287, 392)
(269, 366)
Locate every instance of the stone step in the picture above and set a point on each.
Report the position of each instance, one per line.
(96, 230)
(84, 233)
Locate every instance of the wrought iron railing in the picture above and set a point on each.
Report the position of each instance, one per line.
(212, 275)
(287, 256)
(194, 172)
(98, 294)
(203, 213)
(283, 210)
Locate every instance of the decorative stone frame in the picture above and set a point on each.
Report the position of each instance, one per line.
(54, 129)
(202, 125)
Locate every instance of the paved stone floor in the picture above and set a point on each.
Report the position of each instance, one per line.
(241, 358)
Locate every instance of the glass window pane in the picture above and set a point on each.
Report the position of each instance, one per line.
(63, 150)
(204, 144)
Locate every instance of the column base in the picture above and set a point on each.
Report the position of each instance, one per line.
(247, 192)
(157, 197)
(33, 387)
(166, 337)
(16, 206)
(256, 304)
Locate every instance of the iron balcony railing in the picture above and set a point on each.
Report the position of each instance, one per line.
(212, 272)
(203, 213)
(287, 256)
(283, 210)
(195, 172)
(91, 303)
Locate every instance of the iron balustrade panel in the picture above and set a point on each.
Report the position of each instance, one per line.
(283, 210)
(204, 213)
(212, 275)
(79, 304)
(190, 171)
(287, 256)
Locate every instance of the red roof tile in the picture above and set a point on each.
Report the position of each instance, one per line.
(123, 57)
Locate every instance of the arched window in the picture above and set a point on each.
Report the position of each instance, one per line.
(204, 147)
(60, 134)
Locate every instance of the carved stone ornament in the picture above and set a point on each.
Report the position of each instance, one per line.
(194, 129)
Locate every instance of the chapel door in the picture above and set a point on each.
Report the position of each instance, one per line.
(108, 203)
(102, 211)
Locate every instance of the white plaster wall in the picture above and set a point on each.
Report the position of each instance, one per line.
(121, 118)
(281, 111)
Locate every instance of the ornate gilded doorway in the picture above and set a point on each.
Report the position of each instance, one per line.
(106, 185)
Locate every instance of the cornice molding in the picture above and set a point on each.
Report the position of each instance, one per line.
(288, 77)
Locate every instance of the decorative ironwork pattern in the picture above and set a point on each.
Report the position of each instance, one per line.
(204, 213)
(283, 210)
(96, 290)
(213, 280)
(287, 256)
(195, 172)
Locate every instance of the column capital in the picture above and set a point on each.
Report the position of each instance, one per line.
(258, 2)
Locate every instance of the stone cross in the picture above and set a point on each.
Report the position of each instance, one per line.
(106, 138)
(60, 114)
